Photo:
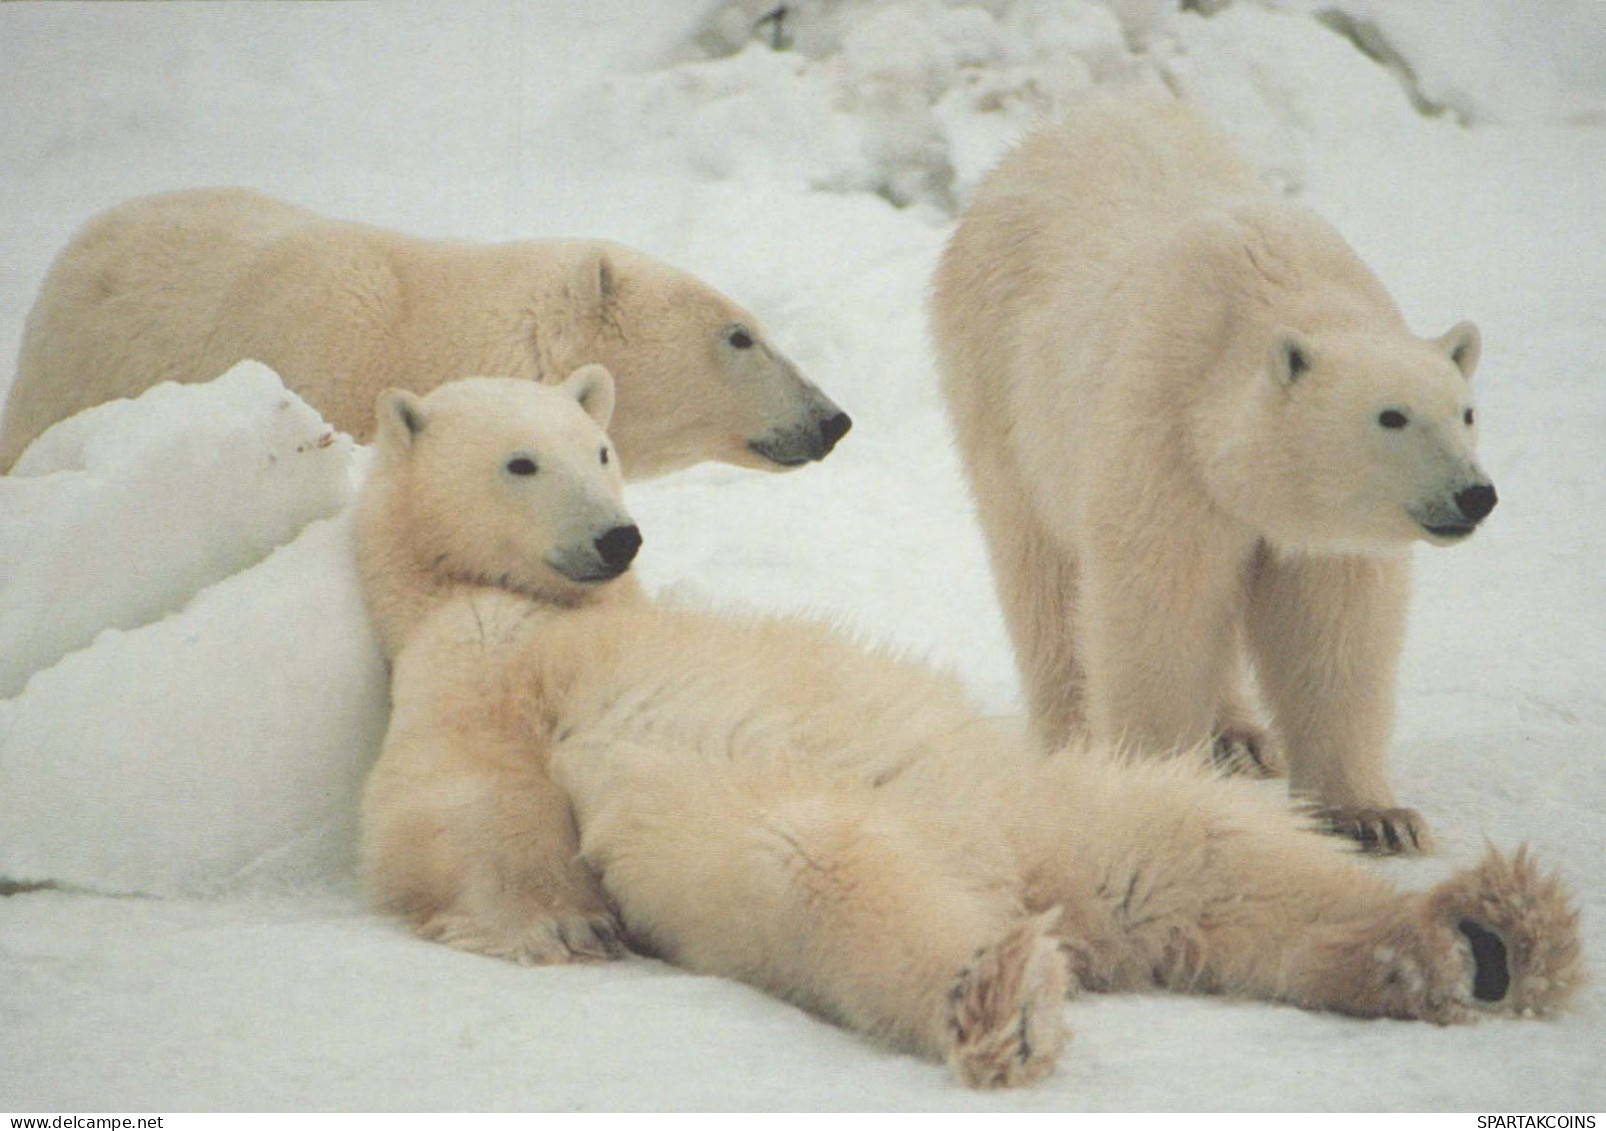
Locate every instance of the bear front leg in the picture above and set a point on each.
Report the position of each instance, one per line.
(466, 838)
(1326, 634)
(1159, 631)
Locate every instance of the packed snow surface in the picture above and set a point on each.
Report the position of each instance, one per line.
(189, 691)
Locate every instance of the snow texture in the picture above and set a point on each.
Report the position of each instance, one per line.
(191, 693)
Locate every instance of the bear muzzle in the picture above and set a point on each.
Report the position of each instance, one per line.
(1458, 518)
(1476, 502)
(810, 443)
(618, 547)
(609, 555)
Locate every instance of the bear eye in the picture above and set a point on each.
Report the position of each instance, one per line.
(521, 465)
(1392, 418)
(1298, 363)
(1467, 417)
(740, 339)
(603, 455)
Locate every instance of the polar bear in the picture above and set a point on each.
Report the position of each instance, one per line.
(1197, 431)
(181, 286)
(570, 765)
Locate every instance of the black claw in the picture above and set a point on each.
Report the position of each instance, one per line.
(1493, 977)
(1255, 756)
(1391, 835)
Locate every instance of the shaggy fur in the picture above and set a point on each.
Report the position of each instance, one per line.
(570, 765)
(1198, 433)
(180, 287)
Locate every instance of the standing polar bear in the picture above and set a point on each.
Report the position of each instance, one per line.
(1195, 427)
(180, 287)
(569, 765)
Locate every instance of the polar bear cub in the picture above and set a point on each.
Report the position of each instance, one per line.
(570, 765)
(1197, 430)
(181, 286)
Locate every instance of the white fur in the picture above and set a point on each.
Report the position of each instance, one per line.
(1169, 388)
(180, 287)
(762, 799)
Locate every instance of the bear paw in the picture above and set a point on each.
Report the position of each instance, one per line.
(543, 941)
(1244, 752)
(1006, 1009)
(1517, 934)
(1384, 832)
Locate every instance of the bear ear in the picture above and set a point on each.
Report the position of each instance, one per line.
(1463, 345)
(399, 418)
(593, 285)
(1290, 357)
(592, 386)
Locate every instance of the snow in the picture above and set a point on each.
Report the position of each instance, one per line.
(117, 517)
(191, 694)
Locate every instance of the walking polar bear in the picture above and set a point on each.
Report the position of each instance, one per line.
(180, 287)
(570, 765)
(1197, 430)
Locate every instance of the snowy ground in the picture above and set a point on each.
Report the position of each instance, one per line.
(189, 773)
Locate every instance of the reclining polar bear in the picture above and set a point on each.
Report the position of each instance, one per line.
(570, 765)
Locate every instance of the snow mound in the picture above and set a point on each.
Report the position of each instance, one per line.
(864, 95)
(116, 517)
(915, 100)
(1506, 61)
(1267, 78)
(227, 740)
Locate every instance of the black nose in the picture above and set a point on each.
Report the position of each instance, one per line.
(1476, 502)
(833, 428)
(618, 547)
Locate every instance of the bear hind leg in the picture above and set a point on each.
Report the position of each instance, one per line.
(819, 893)
(1037, 579)
(1496, 938)
(1521, 930)
(1005, 1007)
(1192, 883)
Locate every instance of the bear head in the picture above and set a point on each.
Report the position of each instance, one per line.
(1363, 439)
(509, 483)
(698, 377)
